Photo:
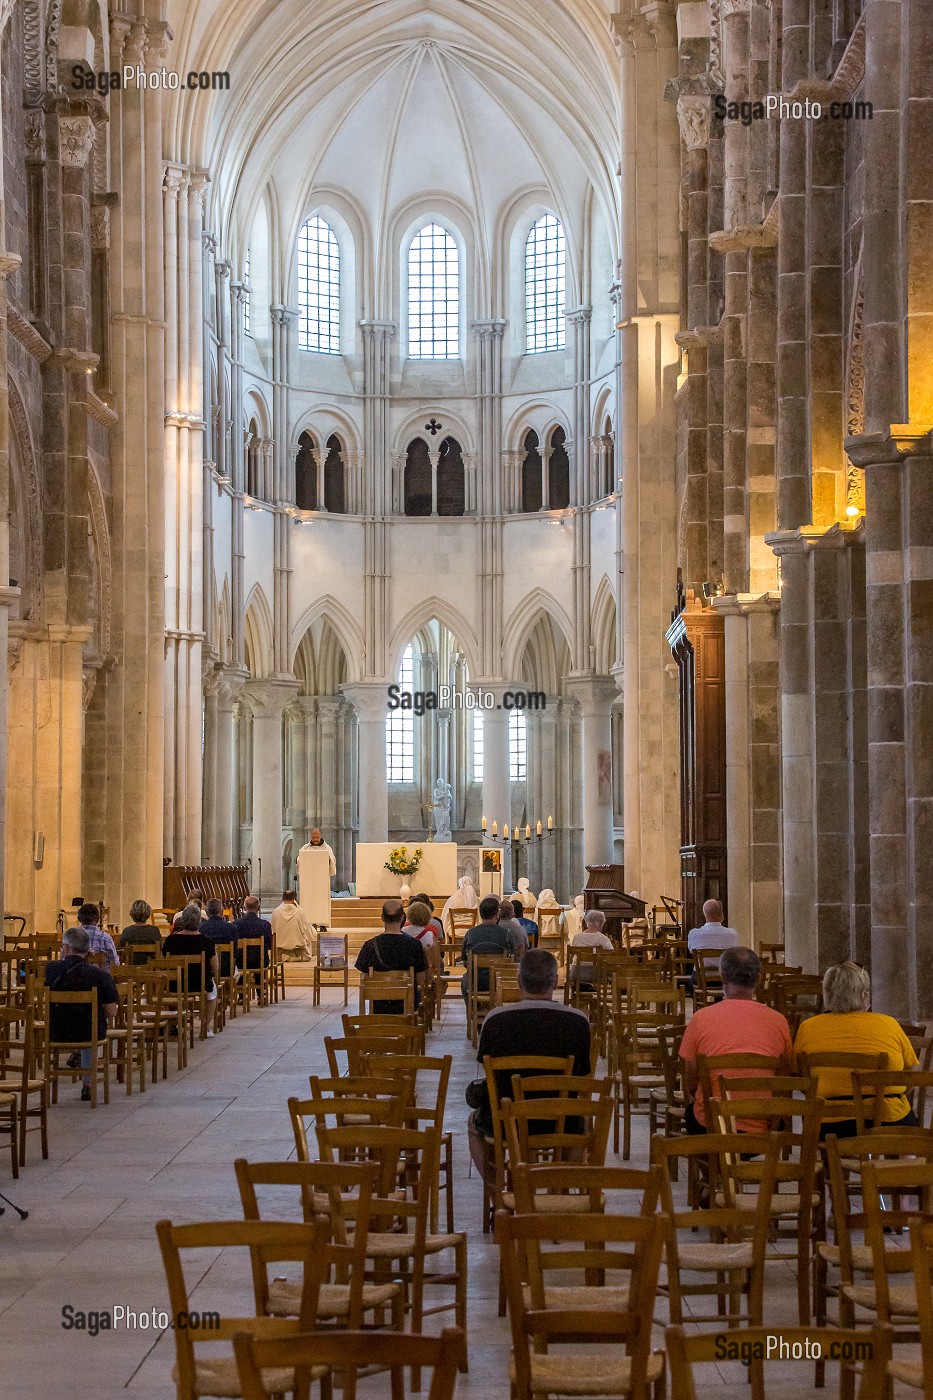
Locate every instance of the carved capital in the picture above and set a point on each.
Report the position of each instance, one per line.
(157, 42)
(34, 131)
(283, 315)
(175, 180)
(134, 43)
(693, 116)
(76, 137)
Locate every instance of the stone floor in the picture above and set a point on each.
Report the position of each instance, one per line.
(89, 1241)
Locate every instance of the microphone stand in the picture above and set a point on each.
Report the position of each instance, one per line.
(23, 1214)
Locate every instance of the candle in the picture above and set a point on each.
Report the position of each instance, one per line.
(495, 828)
(505, 831)
(550, 823)
(527, 831)
(538, 829)
(484, 823)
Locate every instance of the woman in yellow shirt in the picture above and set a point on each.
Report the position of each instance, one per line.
(848, 1027)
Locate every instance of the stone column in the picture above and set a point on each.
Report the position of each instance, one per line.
(492, 501)
(595, 695)
(497, 788)
(267, 700)
(377, 494)
(369, 701)
(222, 848)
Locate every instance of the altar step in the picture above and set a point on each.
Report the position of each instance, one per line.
(346, 914)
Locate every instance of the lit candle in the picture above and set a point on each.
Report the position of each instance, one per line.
(538, 828)
(484, 823)
(527, 831)
(505, 831)
(495, 828)
(550, 823)
(518, 833)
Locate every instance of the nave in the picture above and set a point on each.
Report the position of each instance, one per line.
(90, 1242)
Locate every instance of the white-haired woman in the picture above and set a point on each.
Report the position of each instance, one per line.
(847, 1026)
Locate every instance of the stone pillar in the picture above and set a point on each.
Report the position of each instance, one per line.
(492, 500)
(595, 695)
(267, 700)
(222, 846)
(497, 788)
(369, 701)
(377, 494)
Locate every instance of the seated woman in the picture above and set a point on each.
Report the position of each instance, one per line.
(848, 1027)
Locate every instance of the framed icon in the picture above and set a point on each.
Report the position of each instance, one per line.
(492, 862)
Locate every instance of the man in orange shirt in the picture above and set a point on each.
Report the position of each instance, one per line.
(737, 1025)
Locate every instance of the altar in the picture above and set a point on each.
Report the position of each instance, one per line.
(437, 873)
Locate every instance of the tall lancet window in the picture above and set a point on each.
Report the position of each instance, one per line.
(400, 728)
(545, 265)
(306, 473)
(418, 478)
(247, 299)
(335, 489)
(433, 295)
(518, 746)
(531, 473)
(318, 288)
(558, 472)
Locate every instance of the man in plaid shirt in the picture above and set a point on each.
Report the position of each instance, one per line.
(98, 940)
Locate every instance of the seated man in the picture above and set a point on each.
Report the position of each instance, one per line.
(520, 917)
(393, 951)
(485, 937)
(73, 973)
(215, 926)
(513, 928)
(140, 933)
(535, 1025)
(294, 936)
(98, 940)
(737, 1025)
(189, 941)
(590, 936)
(250, 925)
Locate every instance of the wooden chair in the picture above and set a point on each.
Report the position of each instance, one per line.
(495, 1180)
(404, 1027)
(684, 1352)
(333, 955)
(251, 954)
(503, 983)
(342, 1192)
(139, 954)
(667, 1106)
(128, 1041)
(916, 1374)
(479, 995)
(176, 1011)
(636, 1071)
(152, 984)
(366, 1110)
(732, 1262)
(555, 1186)
(403, 1241)
(539, 1249)
(798, 997)
(100, 1063)
(771, 952)
(550, 931)
(9, 1125)
(562, 1129)
(395, 989)
(227, 997)
(19, 1076)
(870, 1089)
(707, 986)
(713, 1068)
(197, 1375)
(833, 1071)
(257, 1358)
(797, 1214)
(460, 922)
(358, 1049)
(430, 1114)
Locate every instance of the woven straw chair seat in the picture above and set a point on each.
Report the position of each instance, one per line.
(333, 1299)
(862, 1258)
(553, 1203)
(580, 1374)
(588, 1297)
(715, 1256)
(220, 1377)
(10, 1085)
(908, 1372)
(902, 1296)
(398, 1246)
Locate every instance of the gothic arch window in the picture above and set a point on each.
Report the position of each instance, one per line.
(400, 728)
(451, 480)
(558, 472)
(418, 479)
(531, 473)
(254, 461)
(433, 295)
(335, 488)
(318, 287)
(545, 265)
(247, 298)
(306, 473)
(608, 483)
(518, 746)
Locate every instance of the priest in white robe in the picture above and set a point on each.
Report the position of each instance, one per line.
(294, 935)
(317, 843)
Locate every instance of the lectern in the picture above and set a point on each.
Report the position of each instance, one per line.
(314, 883)
(605, 890)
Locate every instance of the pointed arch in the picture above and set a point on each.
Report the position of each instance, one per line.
(345, 628)
(522, 622)
(603, 628)
(430, 610)
(258, 633)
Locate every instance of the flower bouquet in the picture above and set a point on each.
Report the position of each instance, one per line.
(401, 863)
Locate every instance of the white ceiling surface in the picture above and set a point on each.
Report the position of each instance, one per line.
(387, 101)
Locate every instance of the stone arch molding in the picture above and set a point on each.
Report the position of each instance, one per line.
(26, 485)
(259, 634)
(344, 625)
(433, 610)
(101, 532)
(522, 623)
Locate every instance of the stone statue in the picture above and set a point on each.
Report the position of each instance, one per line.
(440, 806)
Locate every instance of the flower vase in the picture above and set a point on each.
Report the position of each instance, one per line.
(404, 890)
